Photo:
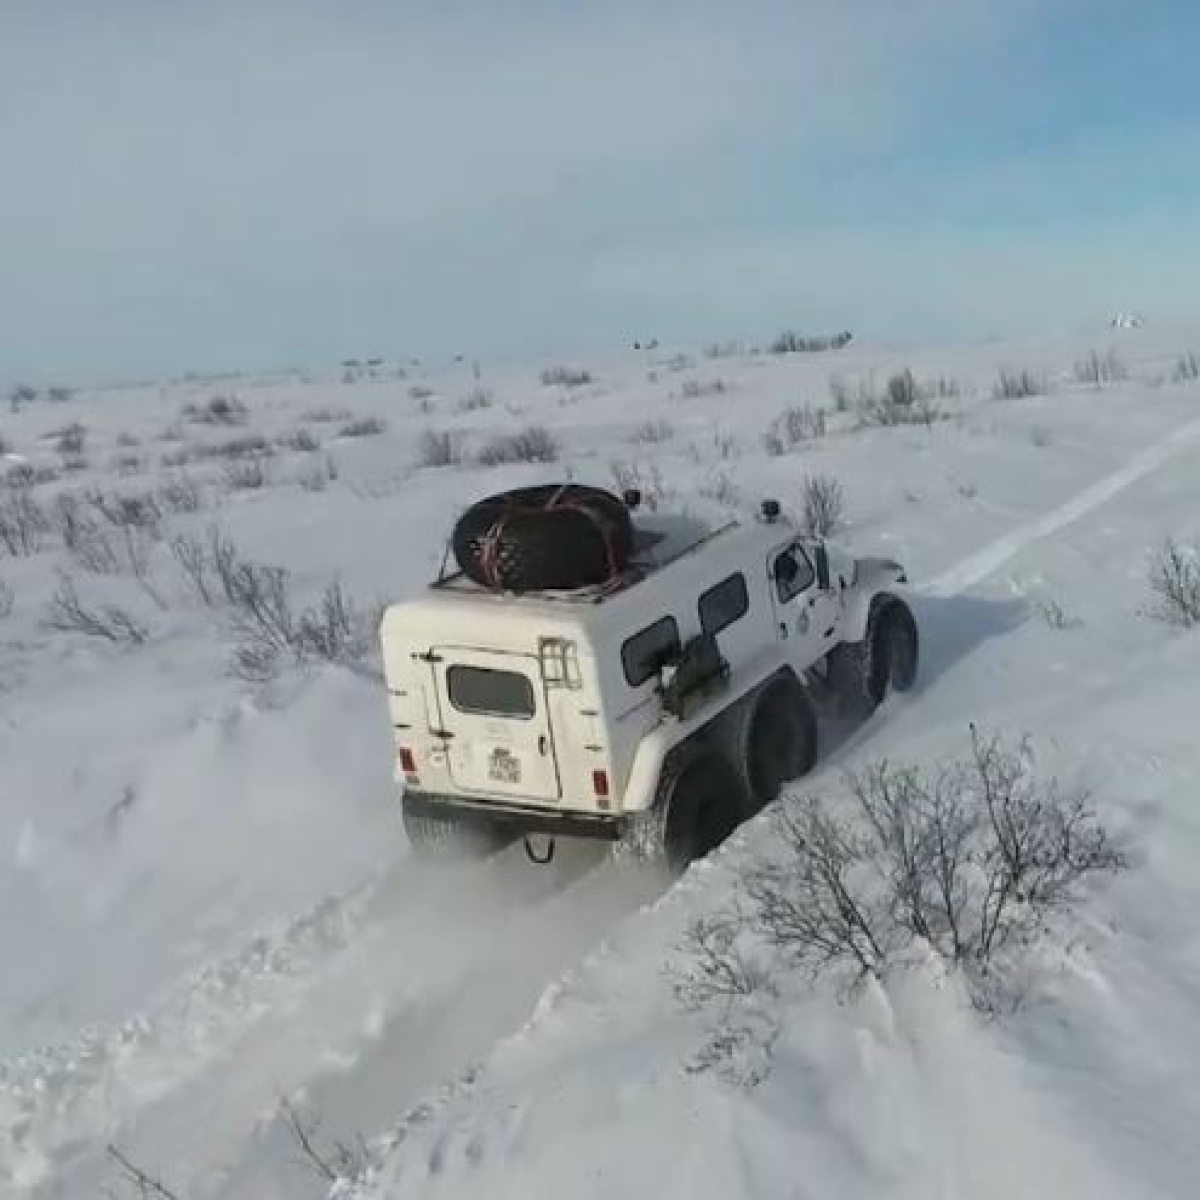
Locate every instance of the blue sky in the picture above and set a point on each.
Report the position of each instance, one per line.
(266, 183)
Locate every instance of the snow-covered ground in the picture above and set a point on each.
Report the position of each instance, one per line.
(206, 903)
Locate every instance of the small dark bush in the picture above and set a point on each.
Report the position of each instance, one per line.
(440, 448)
(569, 377)
(823, 506)
(301, 440)
(532, 444)
(1099, 369)
(1174, 576)
(364, 427)
(1019, 385)
(793, 427)
(219, 410)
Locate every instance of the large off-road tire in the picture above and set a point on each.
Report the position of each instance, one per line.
(447, 837)
(697, 805)
(772, 739)
(862, 674)
(553, 536)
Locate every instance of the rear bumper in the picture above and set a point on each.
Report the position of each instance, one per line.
(519, 818)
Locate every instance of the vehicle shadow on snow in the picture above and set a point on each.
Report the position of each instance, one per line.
(952, 629)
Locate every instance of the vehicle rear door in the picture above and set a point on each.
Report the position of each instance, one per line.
(495, 723)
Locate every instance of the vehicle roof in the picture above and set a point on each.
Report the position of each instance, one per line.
(669, 553)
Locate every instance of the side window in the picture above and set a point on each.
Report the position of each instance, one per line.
(644, 654)
(723, 604)
(793, 574)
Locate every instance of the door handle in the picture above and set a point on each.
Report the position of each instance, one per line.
(543, 745)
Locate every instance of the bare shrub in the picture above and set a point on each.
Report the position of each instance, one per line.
(339, 1162)
(23, 522)
(247, 474)
(440, 448)
(7, 599)
(193, 559)
(128, 440)
(266, 629)
(840, 394)
(149, 1187)
(246, 446)
(822, 505)
(301, 440)
(791, 342)
(476, 399)
(5, 447)
(1052, 611)
(421, 391)
(694, 389)
(716, 966)
(20, 395)
(1019, 385)
(334, 630)
(794, 426)
(219, 410)
(902, 390)
(721, 490)
(652, 433)
(67, 613)
(319, 474)
(647, 481)
(535, 443)
(971, 859)
(327, 416)
(71, 439)
(568, 377)
(723, 350)
(59, 395)
(1174, 577)
(129, 464)
(181, 494)
(1187, 369)
(884, 411)
(363, 427)
(1098, 369)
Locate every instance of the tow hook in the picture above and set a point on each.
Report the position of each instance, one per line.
(532, 854)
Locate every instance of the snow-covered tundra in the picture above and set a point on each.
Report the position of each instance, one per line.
(208, 905)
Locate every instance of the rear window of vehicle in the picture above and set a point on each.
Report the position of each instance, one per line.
(644, 654)
(490, 693)
(723, 604)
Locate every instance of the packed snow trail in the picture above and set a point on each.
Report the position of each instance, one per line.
(991, 558)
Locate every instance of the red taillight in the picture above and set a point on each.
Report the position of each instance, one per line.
(408, 763)
(600, 784)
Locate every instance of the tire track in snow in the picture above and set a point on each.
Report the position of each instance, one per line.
(977, 567)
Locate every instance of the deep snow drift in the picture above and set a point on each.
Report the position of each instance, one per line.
(206, 903)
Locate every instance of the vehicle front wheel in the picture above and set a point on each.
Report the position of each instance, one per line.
(862, 674)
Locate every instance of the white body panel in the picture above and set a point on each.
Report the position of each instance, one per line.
(574, 715)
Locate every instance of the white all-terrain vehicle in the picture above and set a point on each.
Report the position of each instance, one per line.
(595, 671)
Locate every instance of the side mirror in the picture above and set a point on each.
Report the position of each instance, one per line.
(821, 562)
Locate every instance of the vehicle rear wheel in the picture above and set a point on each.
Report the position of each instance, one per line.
(698, 804)
(862, 673)
(446, 837)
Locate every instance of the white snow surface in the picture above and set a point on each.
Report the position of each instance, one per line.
(207, 904)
